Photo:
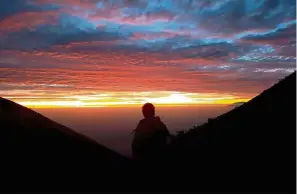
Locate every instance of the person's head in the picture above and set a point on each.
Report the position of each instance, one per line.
(148, 110)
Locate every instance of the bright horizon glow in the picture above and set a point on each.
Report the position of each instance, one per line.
(119, 99)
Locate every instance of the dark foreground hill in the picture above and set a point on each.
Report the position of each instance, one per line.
(249, 149)
(40, 154)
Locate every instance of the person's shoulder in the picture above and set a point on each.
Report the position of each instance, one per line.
(160, 123)
(142, 121)
(158, 119)
(153, 120)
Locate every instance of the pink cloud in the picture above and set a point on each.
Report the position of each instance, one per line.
(28, 20)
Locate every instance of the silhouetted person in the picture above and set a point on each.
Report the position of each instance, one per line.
(150, 136)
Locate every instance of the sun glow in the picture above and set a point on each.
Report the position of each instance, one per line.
(108, 99)
(171, 99)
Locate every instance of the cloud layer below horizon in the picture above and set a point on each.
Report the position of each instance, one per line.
(75, 49)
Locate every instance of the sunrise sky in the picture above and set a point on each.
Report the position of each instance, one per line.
(91, 53)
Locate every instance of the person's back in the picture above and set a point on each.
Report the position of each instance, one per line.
(150, 135)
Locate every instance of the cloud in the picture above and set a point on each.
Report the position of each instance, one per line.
(70, 29)
(26, 20)
(9, 8)
(221, 46)
(284, 31)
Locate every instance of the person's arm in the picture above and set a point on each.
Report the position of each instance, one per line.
(165, 129)
(167, 133)
(137, 127)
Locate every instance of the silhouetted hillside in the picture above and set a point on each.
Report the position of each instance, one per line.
(249, 149)
(35, 146)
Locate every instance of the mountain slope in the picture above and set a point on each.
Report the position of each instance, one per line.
(32, 144)
(249, 149)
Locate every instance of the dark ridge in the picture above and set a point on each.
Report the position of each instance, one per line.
(35, 146)
(250, 149)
